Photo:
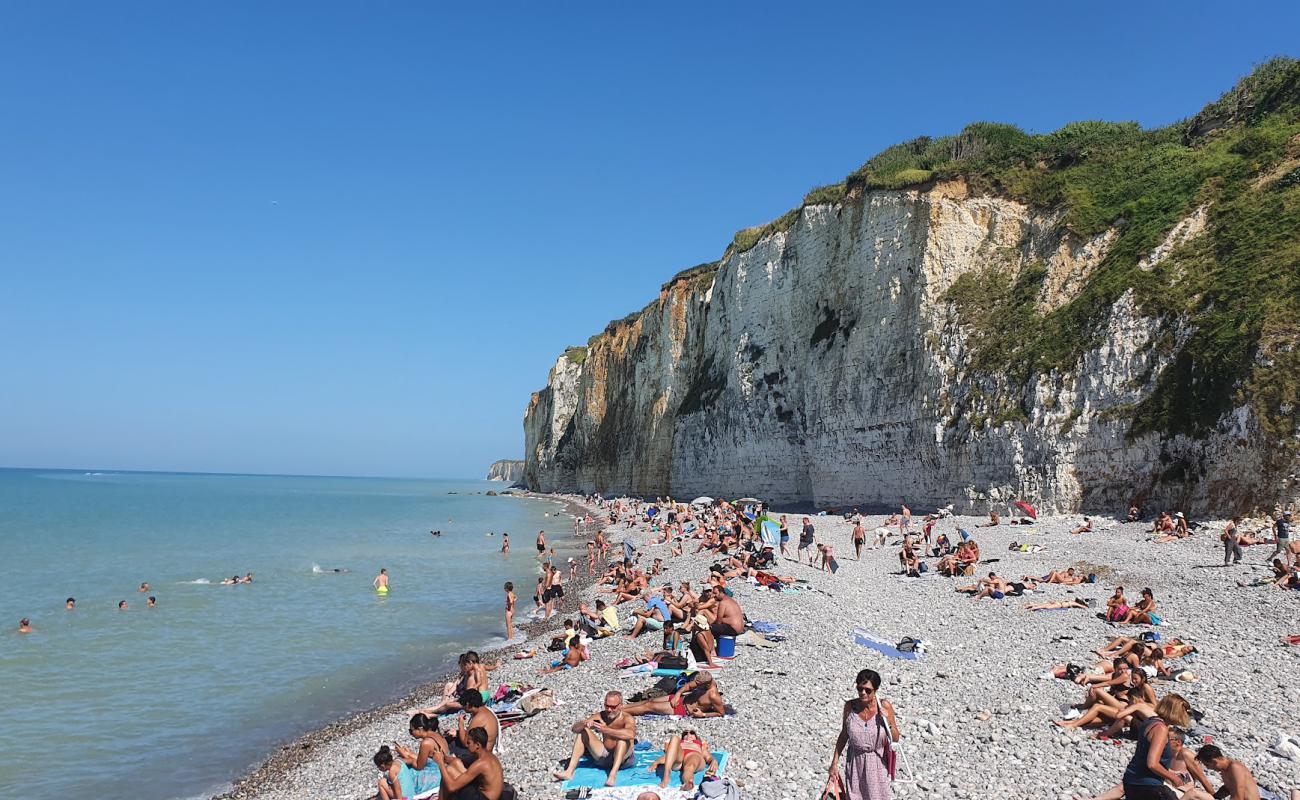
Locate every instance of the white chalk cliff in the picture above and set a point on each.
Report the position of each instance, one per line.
(831, 363)
(510, 471)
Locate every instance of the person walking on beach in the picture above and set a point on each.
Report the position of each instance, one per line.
(807, 538)
(510, 610)
(607, 736)
(381, 581)
(859, 539)
(785, 537)
(869, 730)
(1231, 542)
(1282, 529)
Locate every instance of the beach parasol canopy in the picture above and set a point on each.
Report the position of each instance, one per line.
(748, 500)
(1025, 507)
(703, 501)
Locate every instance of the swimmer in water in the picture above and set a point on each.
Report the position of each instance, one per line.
(25, 625)
(381, 581)
(153, 602)
(70, 604)
(230, 581)
(248, 578)
(505, 543)
(144, 587)
(121, 606)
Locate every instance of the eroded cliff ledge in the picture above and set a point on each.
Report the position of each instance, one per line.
(509, 470)
(1091, 318)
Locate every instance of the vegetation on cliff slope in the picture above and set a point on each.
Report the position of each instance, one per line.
(1232, 288)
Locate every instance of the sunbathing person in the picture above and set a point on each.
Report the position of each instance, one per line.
(482, 779)
(1116, 605)
(1144, 613)
(607, 737)
(688, 753)
(1073, 603)
(1164, 524)
(477, 715)
(1237, 780)
(473, 675)
(1086, 527)
(1067, 578)
(699, 697)
(1108, 705)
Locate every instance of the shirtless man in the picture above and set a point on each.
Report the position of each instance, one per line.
(25, 625)
(481, 780)
(1067, 578)
(607, 736)
(1236, 777)
(725, 619)
(859, 539)
(573, 656)
(477, 715)
(705, 700)
(381, 581)
(541, 544)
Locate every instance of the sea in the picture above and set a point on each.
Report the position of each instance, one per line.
(180, 699)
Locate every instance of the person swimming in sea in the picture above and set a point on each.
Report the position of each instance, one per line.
(121, 606)
(153, 602)
(25, 625)
(144, 587)
(70, 604)
(231, 581)
(248, 578)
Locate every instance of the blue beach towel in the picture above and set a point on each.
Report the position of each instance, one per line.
(639, 774)
(871, 641)
(763, 626)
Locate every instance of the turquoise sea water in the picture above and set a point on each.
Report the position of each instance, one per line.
(177, 700)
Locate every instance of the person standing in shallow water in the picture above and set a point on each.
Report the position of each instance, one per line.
(510, 610)
(381, 581)
(868, 728)
(541, 544)
(505, 543)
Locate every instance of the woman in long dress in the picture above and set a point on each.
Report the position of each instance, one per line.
(868, 728)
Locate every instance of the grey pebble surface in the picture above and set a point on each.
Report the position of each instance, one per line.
(975, 711)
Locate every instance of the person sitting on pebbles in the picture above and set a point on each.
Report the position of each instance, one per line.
(1144, 613)
(573, 656)
(686, 752)
(1085, 527)
(699, 698)
(608, 737)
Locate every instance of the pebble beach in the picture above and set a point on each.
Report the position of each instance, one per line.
(975, 711)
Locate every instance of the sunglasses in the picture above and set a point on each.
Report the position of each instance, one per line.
(866, 689)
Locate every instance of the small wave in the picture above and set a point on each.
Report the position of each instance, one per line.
(199, 581)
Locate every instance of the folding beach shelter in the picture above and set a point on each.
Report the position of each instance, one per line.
(769, 531)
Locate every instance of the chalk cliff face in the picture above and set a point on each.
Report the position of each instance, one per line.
(843, 359)
(511, 472)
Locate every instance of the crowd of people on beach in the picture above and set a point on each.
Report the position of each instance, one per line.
(691, 622)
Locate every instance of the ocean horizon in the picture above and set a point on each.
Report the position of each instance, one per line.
(215, 677)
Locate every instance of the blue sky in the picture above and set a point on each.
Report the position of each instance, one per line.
(350, 238)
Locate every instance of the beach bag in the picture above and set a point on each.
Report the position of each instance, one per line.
(908, 645)
(673, 661)
(890, 756)
(717, 788)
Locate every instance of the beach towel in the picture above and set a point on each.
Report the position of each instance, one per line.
(763, 626)
(863, 638)
(728, 712)
(637, 774)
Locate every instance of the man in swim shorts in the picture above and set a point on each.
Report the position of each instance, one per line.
(607, 736)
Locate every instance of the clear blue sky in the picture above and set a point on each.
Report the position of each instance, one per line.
(350, 238)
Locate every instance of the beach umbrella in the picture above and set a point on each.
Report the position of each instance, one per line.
(748, 500)
(1025, 507)
(702, 501)
(769, 531)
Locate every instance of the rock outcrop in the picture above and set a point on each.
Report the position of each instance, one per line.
(892, 345)
(512, 472)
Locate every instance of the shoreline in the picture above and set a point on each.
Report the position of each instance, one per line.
(975, 711)
(269, 772)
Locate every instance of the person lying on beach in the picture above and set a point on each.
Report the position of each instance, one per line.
(994, 520)
(423, 729)
(1086, 527)
(688, 753)
(1074, 603)
(608, 737)
(483, 779)
(699, 698)
(477, 715)
(1123, 645)
(1067, 578)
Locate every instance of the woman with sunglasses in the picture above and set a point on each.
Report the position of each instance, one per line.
(868, 729)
